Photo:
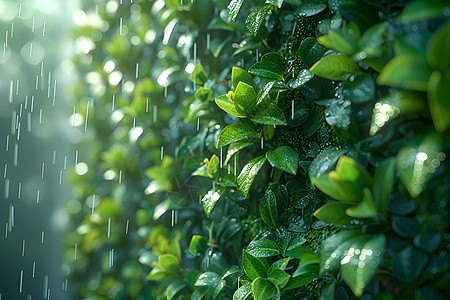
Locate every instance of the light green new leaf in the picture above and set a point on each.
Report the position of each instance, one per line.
(213, 166)
(238, 74)
(244, 99)
(254, 267)
(249, 172)
(268, 209)
(228, 106)
(262, 289)
(334, 213)
(283, 158)
(169, 263)
(198, 245)
(268, 113)
(236, 132)
(334, 67)
(199, 76)
(367, 208)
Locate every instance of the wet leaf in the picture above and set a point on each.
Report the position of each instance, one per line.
(310, 8)
(406, 71)
(311, 50)
(234, 148)
(249, 172)
(244, 99)
(198, 245)
(402, 267)
(236, 132)
(325, 161)
(283, 158)
(269, 114)
(234, 7)
(243, 292)
(263, 248)
(275, 58)
(210, 200)
(334, 67)
(213, 281)
(267, 70)
(269, 210)
(174, 287)
(338, 114)
(302, 78)
(359, 88)
(257, 18)
(254, 267)
(238, 74)
(262, 289)
(228, 106)
(333, 248)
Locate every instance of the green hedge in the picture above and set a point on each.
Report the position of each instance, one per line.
(277, 150)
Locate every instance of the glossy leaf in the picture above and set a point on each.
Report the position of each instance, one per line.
(325, 161)
(249, 172)
(275, 58)
(254, 267)
(244, 99)
(332, 249)
(174, 287)
(311, 50)
(236, 132)
(227, 105)
(334, 67)
(263, 248)
(310, 8)
(213, 281)
(359, 88)
(262, 289)
(278, 277)
(256, 19)
(269, 210)
(268, 114)
(233, 148)
(406, 71)
(199, 76)
(302, 78)
(234, 7)
(198, 245)
(238, 74)
(283, 158)
(267, 70)
(243, 292)
(279, 264)
(210, 200)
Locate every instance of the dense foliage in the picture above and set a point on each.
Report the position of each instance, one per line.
(277, 150)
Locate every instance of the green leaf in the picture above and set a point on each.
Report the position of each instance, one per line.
(404, 227)
(279, 264)
(174, 287)
(298, 252)
(213, 281)
(402, 267)
(428, 241)
(238, 74)
(276, 59)
(213, 166)
(278, 277)
(383, 183)
(218, 44)
(422, 10)
(262, 94)
(243, 292)
(334, 67)
(309, 263)
(249, 172)
(438, 91)
(158, 274)
(203, 94)
(367, 208)
(236, 132)
(358, 270)
(267, 70)
(234, 7)
(406, 71)
(169, 263)
(262, 289)
(275, 2)
(302, 280)
(254, 267)
(310, 8)
(199, 293)
(234, 148)
(269, 210)
(210, 200)
(359, 88)
(344, 41)
(310, 50)
(334, 213)
(332, 249)
(268, 113)
(263, 248)
(198, 245)
(244, 99)
(302, 78)
(372, 41)
(199, 76)
(256, 18)
(324, 162)
(228, 106)
(437, 47)
(332, 188)
(349, 171)
(283, 158)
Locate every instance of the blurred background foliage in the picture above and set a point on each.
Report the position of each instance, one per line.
(153, 217)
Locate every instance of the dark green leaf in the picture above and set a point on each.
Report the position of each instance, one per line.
(402, 267)
(236, 132)
(263, 248)
(218, 44)
(278, 277)
(311, 7)
(262, 289)
(405, 227)
(283, 158)
(359, 88)
(371, 42)
(333, 248)
(334, 67)
(302, 280)
(428, 241)
(383, 183)
(234, 148)
(243, 292)
(276, 59)
(266, 69)
(325, 161)
(438, 91)
(256, 18)
(269, 210)
(302, 78)
(249, 172)
(174, 287)
(422, 10)
(311, 50)
(254, 267)
(234, 7)
(213, 281)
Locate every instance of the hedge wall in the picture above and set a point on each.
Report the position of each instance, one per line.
(274, 150)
